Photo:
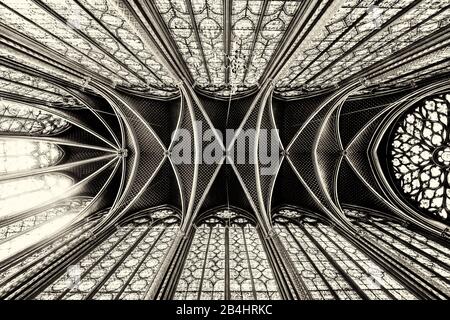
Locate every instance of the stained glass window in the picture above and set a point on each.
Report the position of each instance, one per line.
(421, 156)
(111, 33)
(256, 28)
(226, 261)
(430, 259)
(329, 265)
(105, 46)
(20, 54)
(176, 16)
(357, 35)
(124, 265)
(17, 236)
(22, 155)
(415, 71)
(412, 26)
(37, 261)
(14, 228)
(18, 118)
(256, 46)
(25, 193)
(22, 84)
(431, 63)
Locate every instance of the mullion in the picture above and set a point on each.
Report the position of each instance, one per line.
(333, 42)
(117, 40)
(412, 247)
(418, 240)
(341, 288)
(404, 253)
(312, 263)
(204, 263)
(61, 41)
(227, 20)
(127, 253)
(386, 291)
(140, 264)
(54, 14)
(344, 274)
(227, 263)
(410, 60)
(367, 39)
(197, 36)
(39, 259)
(32, 66)
(98, 261)
(390, 41)
(401, 77)
(257, 32)
(248, 262)
(31, 87)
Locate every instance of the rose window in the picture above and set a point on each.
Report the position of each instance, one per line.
(421, 155)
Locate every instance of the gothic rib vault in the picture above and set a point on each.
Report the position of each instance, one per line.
(95, 98)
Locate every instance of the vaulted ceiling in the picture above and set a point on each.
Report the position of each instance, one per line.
(99, 97)
(329, 75)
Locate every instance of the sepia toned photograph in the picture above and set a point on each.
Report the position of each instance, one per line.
(224, 151)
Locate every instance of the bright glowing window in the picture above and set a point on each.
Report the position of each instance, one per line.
(25, 193)
(13, 229)
(22, 155)
(34, 235)
(28, 266)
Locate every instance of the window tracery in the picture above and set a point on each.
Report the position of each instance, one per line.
(111, 33)
(19, 235)
(420, 155)
(335, 53)
(330, 266)
(124, 265)
(227, 260)
(25, 57)
(25, 85)
(38, 260)
(227, 257)
(19, 118)
(48, 27)
(12, 229)
(429, 257)
(255, 33)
